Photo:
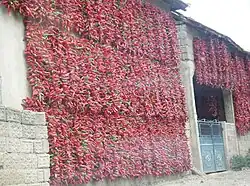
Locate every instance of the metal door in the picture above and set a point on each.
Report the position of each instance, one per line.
(212, 146)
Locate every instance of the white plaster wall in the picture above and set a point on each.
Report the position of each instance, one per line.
(12, 63)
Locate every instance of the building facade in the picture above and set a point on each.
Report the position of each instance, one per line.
(212, 142)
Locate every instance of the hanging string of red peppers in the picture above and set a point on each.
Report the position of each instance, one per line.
(216, 66)
(106, 74)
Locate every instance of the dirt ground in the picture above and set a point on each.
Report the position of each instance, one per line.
(229, 178)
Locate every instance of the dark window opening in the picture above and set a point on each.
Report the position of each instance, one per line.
(209, 102)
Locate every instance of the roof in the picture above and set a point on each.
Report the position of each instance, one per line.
(200, 27)
(177, 5)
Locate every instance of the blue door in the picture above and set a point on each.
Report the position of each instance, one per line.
(212, 146)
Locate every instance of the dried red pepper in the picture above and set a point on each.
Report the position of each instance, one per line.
(230, 72)
(106, 74)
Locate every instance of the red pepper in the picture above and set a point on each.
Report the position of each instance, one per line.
(106, 74)
(230, 72)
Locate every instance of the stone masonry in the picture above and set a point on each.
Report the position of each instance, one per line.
(24, 158)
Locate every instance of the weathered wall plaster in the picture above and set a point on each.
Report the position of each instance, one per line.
(13, 70)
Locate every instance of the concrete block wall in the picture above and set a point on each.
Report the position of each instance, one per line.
(230, 142)
(24, 147)
(244, 144)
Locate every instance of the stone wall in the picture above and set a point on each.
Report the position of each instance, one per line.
(24, 159)
(244, 144)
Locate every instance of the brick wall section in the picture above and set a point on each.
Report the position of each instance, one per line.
(24, 159)
(244, 144)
